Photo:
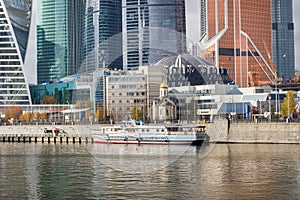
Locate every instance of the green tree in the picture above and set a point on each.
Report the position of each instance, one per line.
(289, 105)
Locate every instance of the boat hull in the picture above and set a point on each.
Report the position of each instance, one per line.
(167, 141)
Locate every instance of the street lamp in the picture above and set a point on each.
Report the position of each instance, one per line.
(284, 75)
(270, 115)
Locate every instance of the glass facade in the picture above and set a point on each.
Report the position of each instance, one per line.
(59, 38)
(283, 38)
(19, 12)
(235, 35)
(14, 27)
(154, 29)
(103, 35)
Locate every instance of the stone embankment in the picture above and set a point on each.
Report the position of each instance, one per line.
(47, 133)
(272, 132)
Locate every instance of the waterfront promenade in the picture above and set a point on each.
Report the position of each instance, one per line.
(251, 132)
(219, 131)
(47, 133)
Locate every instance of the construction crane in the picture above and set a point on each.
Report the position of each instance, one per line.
(277, 80)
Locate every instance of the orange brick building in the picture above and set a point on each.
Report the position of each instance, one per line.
(237, 35)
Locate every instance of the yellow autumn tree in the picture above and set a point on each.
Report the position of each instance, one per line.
(99, 114)
(48, 99)
(13, 112)
(289, 105)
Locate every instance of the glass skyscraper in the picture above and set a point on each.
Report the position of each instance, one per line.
(102, 35)
(15, 17)
(283, 38)
(236, 35)
(153, 29)
(59, 38)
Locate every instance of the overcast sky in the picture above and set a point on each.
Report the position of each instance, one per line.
(297, 32)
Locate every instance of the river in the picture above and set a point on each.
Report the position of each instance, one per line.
(221, 171)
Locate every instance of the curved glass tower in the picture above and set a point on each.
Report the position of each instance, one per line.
(154, 29)
(59, 38)
(14, 29)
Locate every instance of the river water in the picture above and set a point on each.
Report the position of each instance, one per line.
(221, 171)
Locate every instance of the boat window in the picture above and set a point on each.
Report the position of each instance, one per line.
(157, 130)
(147, 130)
(172, 128)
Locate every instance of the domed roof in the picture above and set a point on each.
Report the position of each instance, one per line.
(164, 85)
(186, 70)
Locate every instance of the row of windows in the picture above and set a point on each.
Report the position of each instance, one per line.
(276, 26)
(230, 52)
(127, 79)
(131, 94)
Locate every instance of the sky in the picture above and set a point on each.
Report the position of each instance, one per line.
(297, 32)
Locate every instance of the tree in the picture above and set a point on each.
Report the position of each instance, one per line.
(136, 113)
(99, 114)
(37, 116)
(27, 117)
(48, 99)
(13, 112)
(289, 105)
(44, 116)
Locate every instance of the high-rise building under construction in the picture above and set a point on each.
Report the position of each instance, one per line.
(238, 36)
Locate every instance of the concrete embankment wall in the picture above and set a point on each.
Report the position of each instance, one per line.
(71, 130)
(284, 133)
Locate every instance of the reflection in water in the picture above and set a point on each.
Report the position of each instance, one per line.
(42, 171)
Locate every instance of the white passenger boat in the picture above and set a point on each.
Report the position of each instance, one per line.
(135, 132)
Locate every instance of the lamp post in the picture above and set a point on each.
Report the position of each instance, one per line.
(284, 75)
(270, 113)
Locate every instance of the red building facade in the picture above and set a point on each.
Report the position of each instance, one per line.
(237, 35)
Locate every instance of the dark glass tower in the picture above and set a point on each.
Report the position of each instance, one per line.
(154, 29)
(59, 38)
(283, 38)
(103, 35)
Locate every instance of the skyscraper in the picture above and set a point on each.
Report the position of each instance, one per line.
(153, 29)
(59, 38)
(15, 17)
(283, 38)
(103, 35)
(237, 35)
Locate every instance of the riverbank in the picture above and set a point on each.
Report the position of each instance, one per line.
(219, 132)
(269, 133)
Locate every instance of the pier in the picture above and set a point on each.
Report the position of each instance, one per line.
(46, 134)
(45, 139)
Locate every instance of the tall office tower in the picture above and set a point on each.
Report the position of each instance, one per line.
(59, 38)
(153, 29)
(237, 35)
(15, 17)
(283, 38)
(103, 35)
